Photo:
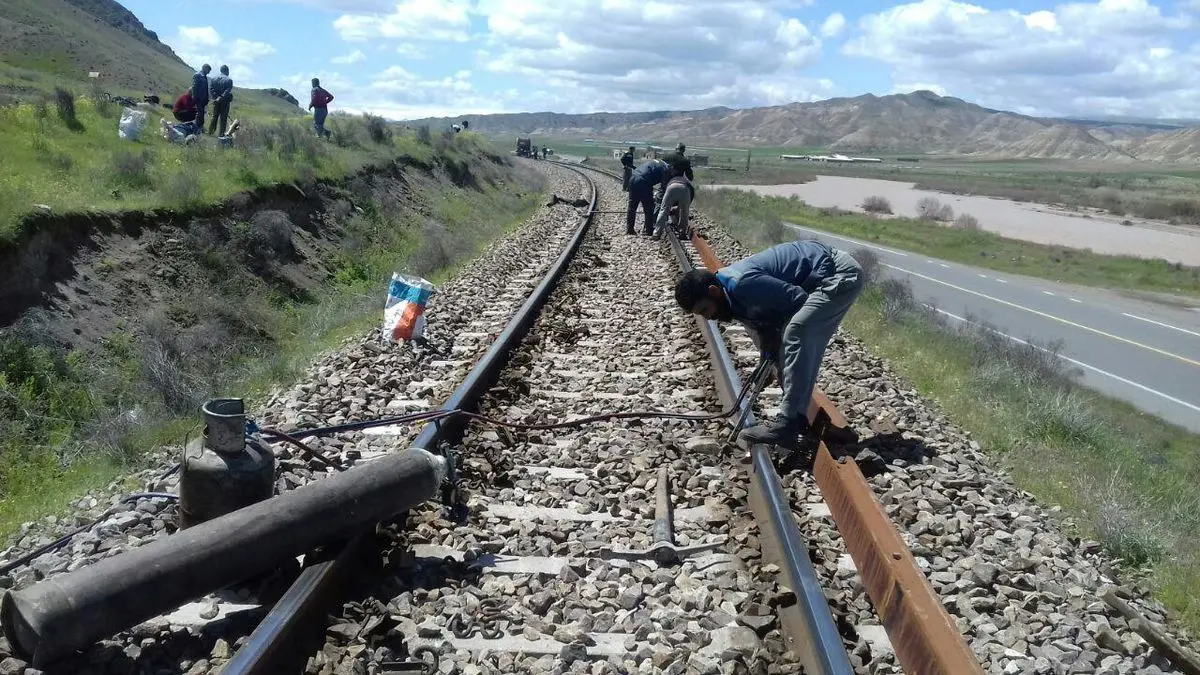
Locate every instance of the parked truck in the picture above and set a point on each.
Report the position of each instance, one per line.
(524, 147)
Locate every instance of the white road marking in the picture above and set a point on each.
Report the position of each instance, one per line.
(943, 265)
(1097, 331)
(1077, 362)
(852, 241)
(1077, 300)
(1159, 323)
(1003, 281)
(1047, 292)
(982, 276)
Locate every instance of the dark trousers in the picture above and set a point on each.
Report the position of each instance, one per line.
(625, 178)
(200, 108)
(642, 195)
(220, 117)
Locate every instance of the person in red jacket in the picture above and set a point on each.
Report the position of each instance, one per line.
(319, 104)
(185, 107)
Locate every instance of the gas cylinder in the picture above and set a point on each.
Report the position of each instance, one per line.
(223, 470)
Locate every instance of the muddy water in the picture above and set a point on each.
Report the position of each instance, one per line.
(1038, 223)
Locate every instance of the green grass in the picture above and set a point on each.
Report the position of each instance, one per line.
(1124, 478)
(73, 421)
(1127, 479)
(971, 247)
(84, 166)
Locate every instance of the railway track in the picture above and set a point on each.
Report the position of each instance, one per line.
(555, 567)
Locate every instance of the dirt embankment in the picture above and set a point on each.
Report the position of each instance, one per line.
(98, 270)
(179, 296)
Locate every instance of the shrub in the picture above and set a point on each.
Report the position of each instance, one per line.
(869, 261)
(929, 208)
(64, 101)
(104, 105)
(876, 204)
(180, 190)
(424, 136)
(377, 128)
(966, 221)
(132, 169)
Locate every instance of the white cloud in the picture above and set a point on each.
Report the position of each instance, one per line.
(1110, 56)
(198, 45)
(833, 25)
(356, 56)
(437, 20)
(633, 54)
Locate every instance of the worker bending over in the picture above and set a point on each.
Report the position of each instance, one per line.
(678, 193)
(791, 298)
(641, 191)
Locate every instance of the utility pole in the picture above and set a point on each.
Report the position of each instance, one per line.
(747, 160)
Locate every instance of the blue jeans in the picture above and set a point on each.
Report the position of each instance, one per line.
(319, 115)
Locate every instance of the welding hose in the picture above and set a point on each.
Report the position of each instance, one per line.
(294, 438)
(62, 541)
(437, 415)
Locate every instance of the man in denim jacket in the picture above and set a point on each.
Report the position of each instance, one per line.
(791, 298)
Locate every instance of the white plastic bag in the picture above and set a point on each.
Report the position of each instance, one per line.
(404, 313)
(132, 123)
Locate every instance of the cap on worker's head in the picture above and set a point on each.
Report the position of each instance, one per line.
(205, 68)
(681, 147)
(224, 70)
(316, 82)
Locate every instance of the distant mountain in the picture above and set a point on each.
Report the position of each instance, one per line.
(44, 43)
(918, 122)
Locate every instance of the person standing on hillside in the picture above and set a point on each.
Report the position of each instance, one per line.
(791, 297)
(626, 168)
(641, 192)
(221, 93)
(319, 104)
(200, 94)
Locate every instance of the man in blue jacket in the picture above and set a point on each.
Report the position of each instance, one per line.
(641, 191)
(200, 94)
(791, 298)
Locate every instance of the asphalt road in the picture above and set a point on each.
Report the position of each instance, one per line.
(1139, 351)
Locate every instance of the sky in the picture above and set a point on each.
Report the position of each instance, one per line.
(407, 59)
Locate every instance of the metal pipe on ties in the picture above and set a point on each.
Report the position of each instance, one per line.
(271, 643)
(57, 616)
(810, 629)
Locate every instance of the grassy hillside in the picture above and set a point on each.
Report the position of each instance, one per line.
(73, 163)
(49, 43)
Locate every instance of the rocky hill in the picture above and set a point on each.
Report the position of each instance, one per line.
(48, 43)
(918, 122)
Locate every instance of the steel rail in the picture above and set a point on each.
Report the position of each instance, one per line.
(926, 640)
(271, 647)
(810, 630)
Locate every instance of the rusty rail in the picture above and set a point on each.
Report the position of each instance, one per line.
(926, 639)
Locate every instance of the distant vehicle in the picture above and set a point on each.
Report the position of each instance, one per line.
(524, 147)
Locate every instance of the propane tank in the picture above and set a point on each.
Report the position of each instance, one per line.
(223, 470)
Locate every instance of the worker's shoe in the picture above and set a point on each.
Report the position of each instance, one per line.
(784, 432)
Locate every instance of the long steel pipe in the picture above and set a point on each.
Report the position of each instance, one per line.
(273, 638)
(51, 619)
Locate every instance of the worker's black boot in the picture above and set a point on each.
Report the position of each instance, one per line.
(782, 431)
